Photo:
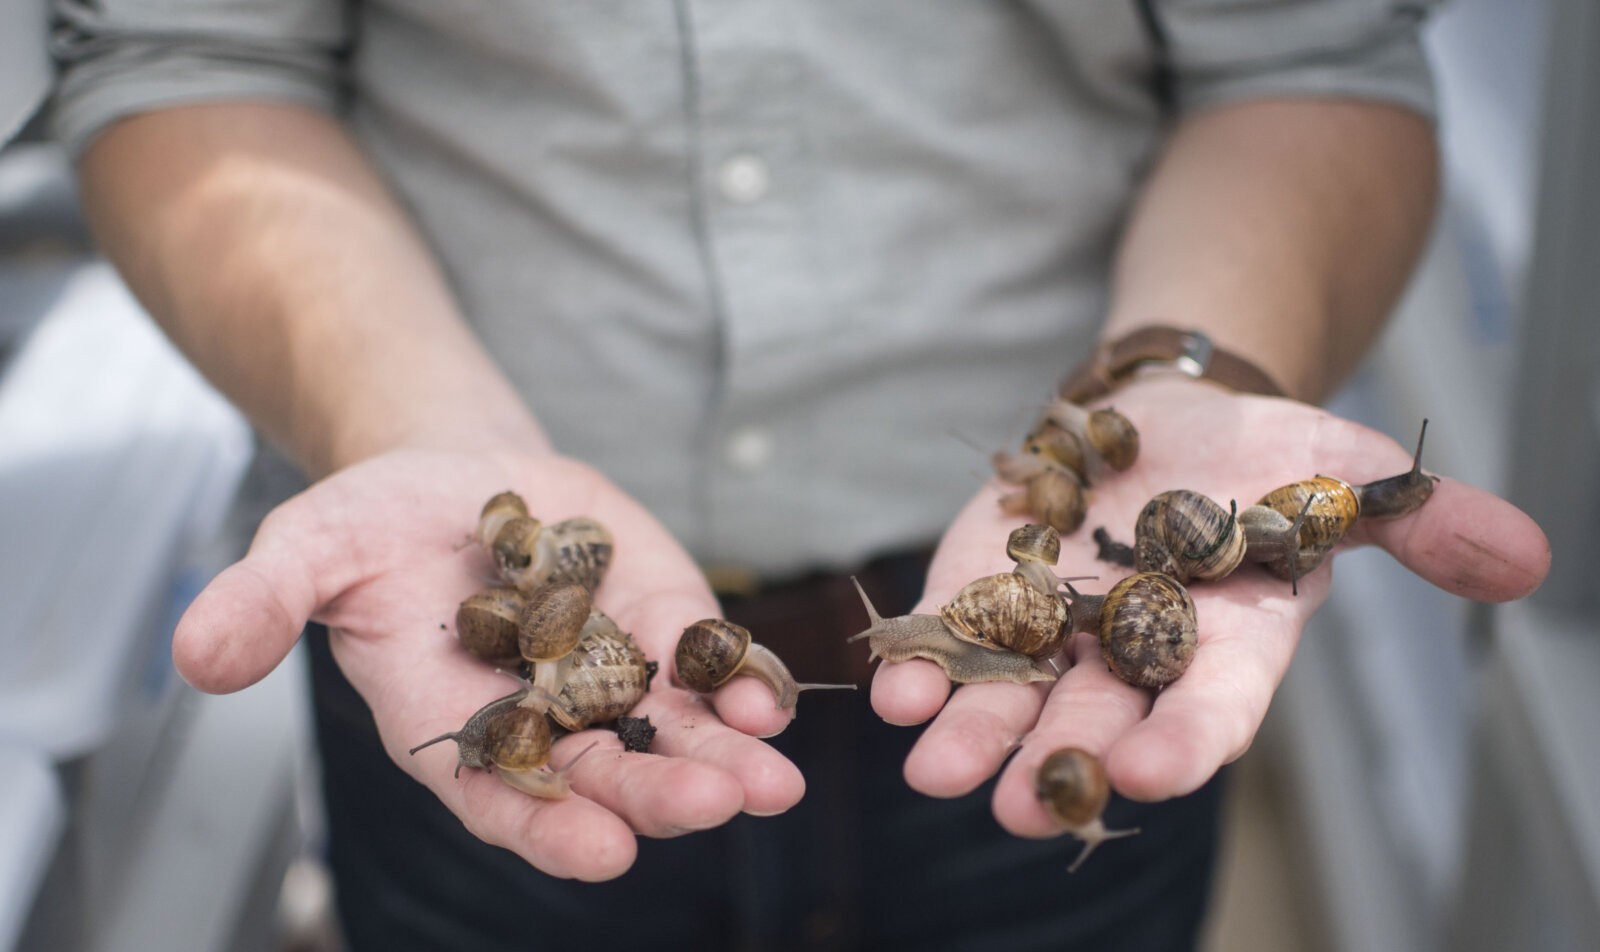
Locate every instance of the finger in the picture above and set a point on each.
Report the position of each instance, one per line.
(1209, 716)
(1468, 542)
(573, 838)
(687, 727)
(906, 693)
(1089, 709)
(655, 796)
(979, 727)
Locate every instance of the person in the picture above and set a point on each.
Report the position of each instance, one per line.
(744, 282)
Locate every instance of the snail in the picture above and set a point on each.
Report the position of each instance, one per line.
(1316, 513)
(514, 739)
(1071, 784)
(1105, 434)
(602, 678)
(1050, 493)
(997, 628)
(487, 623)
(549, 629)
(1190, 537)
(711, 651)
(1146, 626)
(529, 553)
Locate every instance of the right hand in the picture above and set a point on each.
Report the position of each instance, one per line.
(378, 552)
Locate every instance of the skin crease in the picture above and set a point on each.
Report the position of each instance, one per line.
(1162, 745)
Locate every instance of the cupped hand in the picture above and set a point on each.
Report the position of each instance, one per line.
(1163, 744)
(381, 553)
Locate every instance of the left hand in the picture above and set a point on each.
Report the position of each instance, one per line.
(1160, 745)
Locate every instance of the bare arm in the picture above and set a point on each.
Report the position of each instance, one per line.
(263, 242)
(1284, 229)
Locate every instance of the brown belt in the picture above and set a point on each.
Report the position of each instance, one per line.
(807, 620)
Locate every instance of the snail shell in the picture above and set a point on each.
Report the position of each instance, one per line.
(1189, 536)
(1111, 435)
(487, 624)
(1071, 784)
(904, 637)
(1007, 611)
(1053, 496)
(711, 651)
(1036, 548)
(530, 554)
(500, 509)
(552, 622)
(1148, 632)
(1057, 444)
(1333, 509)
(517, 739)
(606, 676)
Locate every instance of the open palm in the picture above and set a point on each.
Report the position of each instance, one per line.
(378, 552)
(1160, 745)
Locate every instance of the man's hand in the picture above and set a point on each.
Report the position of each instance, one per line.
(382, 553)
(1160, 745)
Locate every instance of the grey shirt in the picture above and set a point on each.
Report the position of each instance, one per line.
(786, 270)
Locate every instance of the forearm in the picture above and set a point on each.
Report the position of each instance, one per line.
(1286, 230)
(267, 248)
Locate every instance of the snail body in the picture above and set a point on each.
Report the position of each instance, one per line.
(928, 637)
(712, 651)
(1071, 784)
(512, 739)
(1146, 626)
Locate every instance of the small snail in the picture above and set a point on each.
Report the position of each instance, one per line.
(1318, 512)
(1051, 494)
(529, 553)
(1109, 435)
(1146, 626)
(487, 624)
(514, 739)
(500, 509)
(1015, 619)
(604, 676)
(549, 629)
(711, 651)
(1071, 784)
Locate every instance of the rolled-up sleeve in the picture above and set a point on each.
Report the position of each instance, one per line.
(117, 58)
(1220, 51)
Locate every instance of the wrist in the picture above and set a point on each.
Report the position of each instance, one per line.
(1158, 350)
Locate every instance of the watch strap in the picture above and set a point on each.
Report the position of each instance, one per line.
(1187, 351)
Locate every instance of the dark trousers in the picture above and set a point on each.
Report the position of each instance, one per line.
(862, 862)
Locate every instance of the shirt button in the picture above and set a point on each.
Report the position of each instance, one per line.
(748, 449)
(743, 179)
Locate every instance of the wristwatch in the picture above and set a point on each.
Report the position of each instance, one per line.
(1187, 351)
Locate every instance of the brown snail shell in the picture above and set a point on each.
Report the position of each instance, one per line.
(1148, 631)
(1325, 508)
(552, 621)
(1034, 542)
(1071, 784)
(487, 623)
(530, 554)
(471, 740)
(928, 637)
(711, 651)
(1007, 611)
(1188, 536)
(517, 739)
(1057, 444)
(1053, 496)
(605, 676)
(1111, 436)
(501, 508)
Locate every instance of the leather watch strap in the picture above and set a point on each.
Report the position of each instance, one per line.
(1190, 352)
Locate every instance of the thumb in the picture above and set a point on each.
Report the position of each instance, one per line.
(244, 622)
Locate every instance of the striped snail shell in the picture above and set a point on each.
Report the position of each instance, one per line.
(1188, 536)
(1007, 611)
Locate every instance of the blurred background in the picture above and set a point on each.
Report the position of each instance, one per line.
(1426, 779)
